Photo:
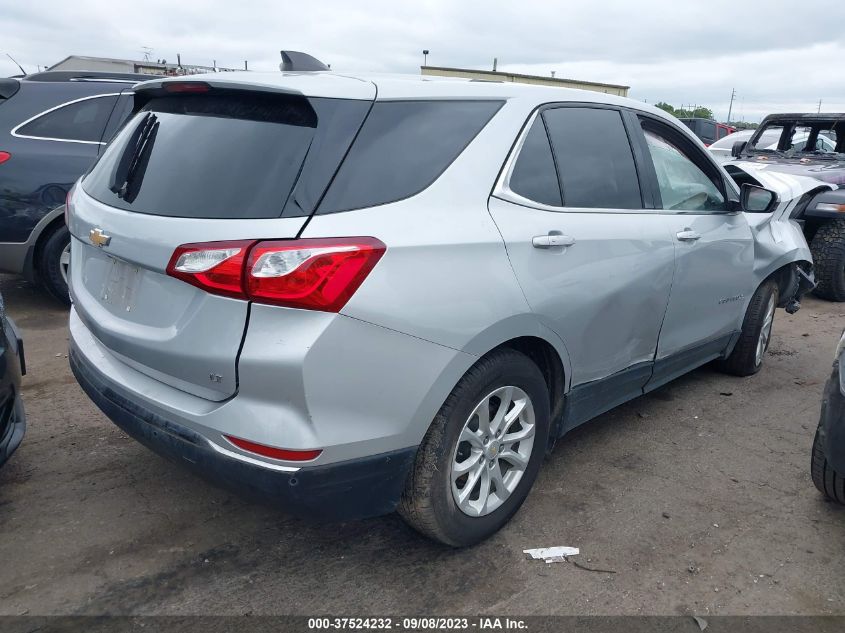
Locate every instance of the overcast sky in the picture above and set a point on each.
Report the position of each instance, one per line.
(780, 55)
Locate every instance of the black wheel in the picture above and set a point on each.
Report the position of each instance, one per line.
(828, 249)
(482, 452)
(53, 261)
(747, 356)
(829, 482)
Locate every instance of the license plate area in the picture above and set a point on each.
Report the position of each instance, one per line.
(120, 285)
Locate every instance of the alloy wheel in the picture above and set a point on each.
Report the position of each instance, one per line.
(493, 451)
(64, 261)
(765, 331)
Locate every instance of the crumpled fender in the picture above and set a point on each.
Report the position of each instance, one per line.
(778, 240)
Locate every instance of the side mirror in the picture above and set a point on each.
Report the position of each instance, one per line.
(756, 199)
(738, 148)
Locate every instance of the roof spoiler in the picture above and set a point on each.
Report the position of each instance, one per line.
(294, 61)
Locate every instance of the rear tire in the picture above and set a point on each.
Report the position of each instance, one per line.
(828, 249)
(430, 500)
(829, 482)
(53, 261)
(747, 356)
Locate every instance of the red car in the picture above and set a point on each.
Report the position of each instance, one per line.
(707, 130)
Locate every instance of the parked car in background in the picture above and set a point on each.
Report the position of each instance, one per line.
(12, 367)
(53, 125)
(253, 298)
(708, 130)
(828, 462)
(810, 145)
(722, 150)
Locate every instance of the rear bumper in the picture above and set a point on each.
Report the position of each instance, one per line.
(832, 422)
(351, 489)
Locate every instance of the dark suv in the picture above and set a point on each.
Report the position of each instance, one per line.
(810, 145)
(53, 125)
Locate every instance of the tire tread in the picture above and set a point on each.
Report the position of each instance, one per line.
(828, 250)
(829, 482)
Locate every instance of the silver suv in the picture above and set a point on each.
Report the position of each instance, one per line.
(362, 294)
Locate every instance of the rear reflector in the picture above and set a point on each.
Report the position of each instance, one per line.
(4, 156)
(313, 274)
(272, 451)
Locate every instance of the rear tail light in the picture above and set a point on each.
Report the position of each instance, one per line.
(319, 274)
(4, 156)
(272, 451)
(216, 267)
(68, 203)
(314, 274)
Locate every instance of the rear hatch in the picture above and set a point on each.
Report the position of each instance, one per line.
(198, 162)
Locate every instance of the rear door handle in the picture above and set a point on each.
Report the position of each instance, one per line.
(688, 235)
(552, 240)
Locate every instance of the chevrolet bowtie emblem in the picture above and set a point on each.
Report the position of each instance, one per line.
(98, 238)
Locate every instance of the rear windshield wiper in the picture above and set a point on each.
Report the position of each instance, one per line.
(137, 148)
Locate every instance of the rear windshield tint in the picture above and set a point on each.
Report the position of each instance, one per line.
(225, 155)
(402, 148)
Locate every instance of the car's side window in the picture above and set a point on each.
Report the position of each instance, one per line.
(594, 158)
(534, 176)
(80, 121)
(683, 184)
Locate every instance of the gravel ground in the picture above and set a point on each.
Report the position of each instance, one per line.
(698, 497)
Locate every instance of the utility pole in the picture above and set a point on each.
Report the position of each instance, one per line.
(820, 107)
(731, 107)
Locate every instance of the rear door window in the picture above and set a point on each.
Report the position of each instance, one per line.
(594, 158)
(534, 176)
(402, 148)
(82, 121)
(226, 154)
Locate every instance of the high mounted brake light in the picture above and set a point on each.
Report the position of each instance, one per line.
(186, 86)
(312, 274)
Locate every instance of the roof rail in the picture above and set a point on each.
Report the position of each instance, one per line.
(294, 61)
(89, 75)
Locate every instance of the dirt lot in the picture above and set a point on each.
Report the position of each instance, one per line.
(697, 496)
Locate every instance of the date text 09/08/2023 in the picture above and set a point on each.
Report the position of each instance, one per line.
(416, 623)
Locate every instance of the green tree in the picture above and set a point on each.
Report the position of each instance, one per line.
(665, 106)
(699, 112)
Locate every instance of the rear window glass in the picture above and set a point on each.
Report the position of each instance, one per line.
(224, 155)
(768, 139)
(594, 158)
(534, 176)
(402, 148)
(82, 120)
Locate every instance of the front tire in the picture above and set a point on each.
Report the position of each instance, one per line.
(482, 453)
(828, 249)
(747, 356)
(53, 262)
(829, 482)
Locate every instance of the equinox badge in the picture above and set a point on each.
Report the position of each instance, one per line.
(98, 238)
